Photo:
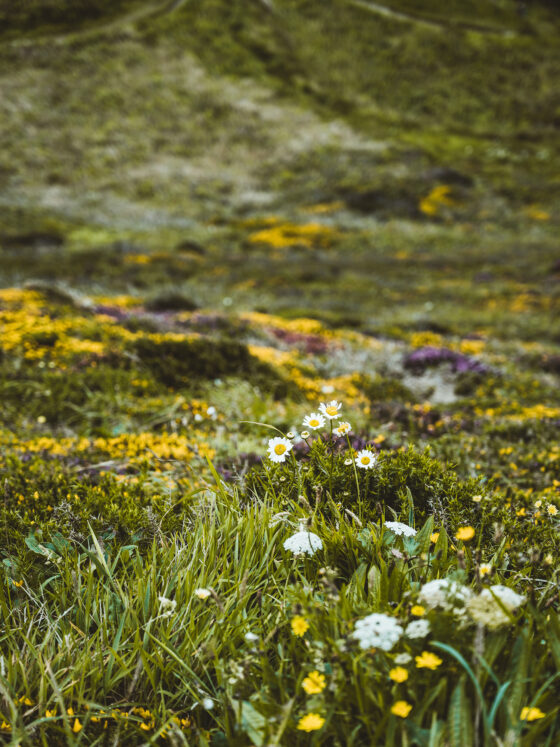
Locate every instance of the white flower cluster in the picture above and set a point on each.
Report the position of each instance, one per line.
(493, 606)
(417, 629)
(397, 527)
(303, 542)
(377, 631)
(445, 594)
(167, 606)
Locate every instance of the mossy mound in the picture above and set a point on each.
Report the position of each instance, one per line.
(177, 363)
(404, 482)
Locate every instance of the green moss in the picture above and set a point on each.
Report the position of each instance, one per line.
(180, 363)
(56, 498)
(386, 390)
(170, 299)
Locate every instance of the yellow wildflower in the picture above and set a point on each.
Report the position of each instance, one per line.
(398, 674)
(417, 610)
(299, 625)
(401, 708)
(434, 537)
(552, 510)
(484, 569)
(314, 683)
(77, 726)
(311, 722)
(464, 533)
(427, 660)
(531, 714)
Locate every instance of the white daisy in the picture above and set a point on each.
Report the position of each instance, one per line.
(314, 421)
(202, 593)
(343, 429)
(397, 527)
(366, 459)
(330, 409)
(303, 542)
(278, 449)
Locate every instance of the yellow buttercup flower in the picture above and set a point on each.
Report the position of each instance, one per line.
(299, 625)
(427, 660)
(531, 714)
(398, 674)
(464, 533)
(434, 537)
(77, 726)
(401, 708)
(417, 610)
(314, 683)
(311, 722)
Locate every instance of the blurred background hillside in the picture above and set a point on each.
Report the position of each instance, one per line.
(379, 166)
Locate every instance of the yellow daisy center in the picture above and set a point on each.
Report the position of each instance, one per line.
(279, 449)
(331, 410)
(314, 422)
(365, 460)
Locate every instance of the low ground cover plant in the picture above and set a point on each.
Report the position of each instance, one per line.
(336, 595)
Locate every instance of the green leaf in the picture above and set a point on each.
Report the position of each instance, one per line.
(253, 723)
(459, 720)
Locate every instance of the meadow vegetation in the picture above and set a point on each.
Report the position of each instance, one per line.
(279, 368)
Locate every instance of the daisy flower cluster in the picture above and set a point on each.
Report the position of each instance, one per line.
(328, 412)
(280, 446)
